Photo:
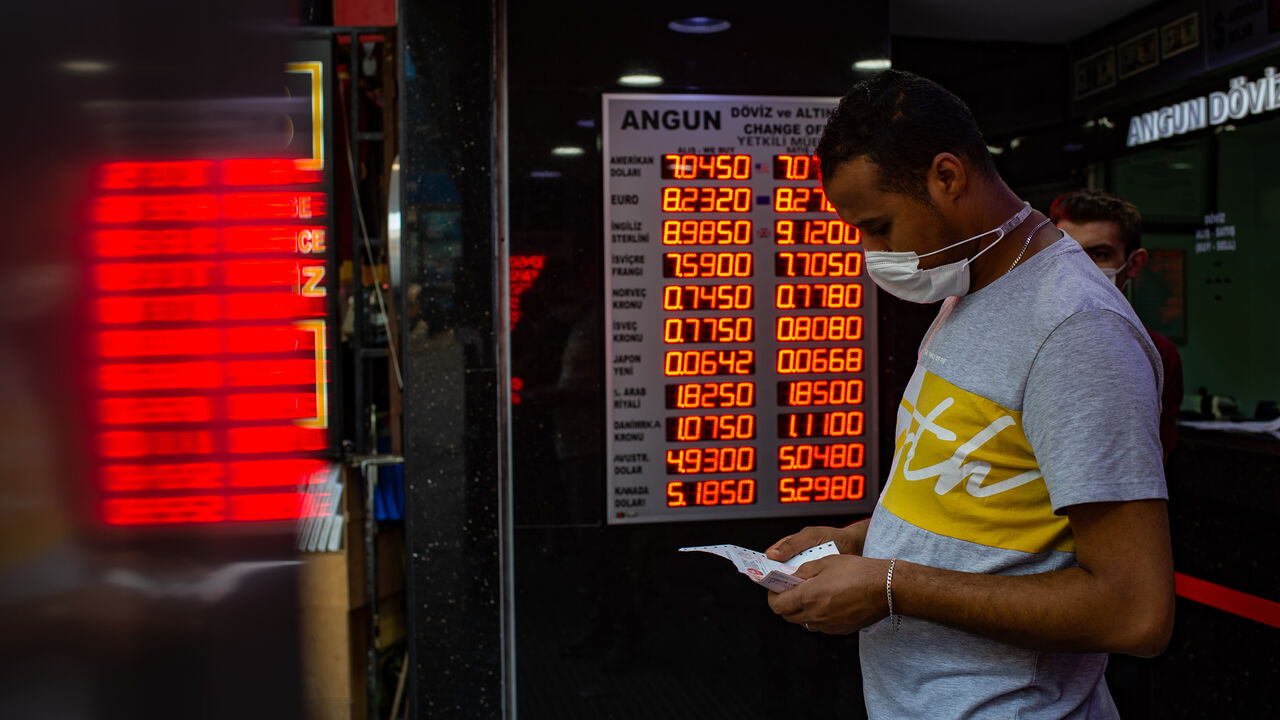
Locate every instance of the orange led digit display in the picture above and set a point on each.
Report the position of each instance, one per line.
(795, 167)
(698, 428)
(836, 423)
(697, 460)
(678, 330)
(705, 167)
(707, 265)
(799, 393)
(837, 456)
(698, 396)
(685, 363)
(837, 263)
(807, 296)
(686, 493)
(822, 488)
(804, 361)
(800, 200)
(706, 199)
(707, 297)
(815, 232)
(706, 232)
(819, 328)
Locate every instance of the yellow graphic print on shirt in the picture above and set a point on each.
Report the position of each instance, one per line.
(963, 468)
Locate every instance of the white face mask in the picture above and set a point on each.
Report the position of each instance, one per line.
(1112, 272)
(899, 273)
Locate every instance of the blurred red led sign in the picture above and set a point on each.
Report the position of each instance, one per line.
(208, 303)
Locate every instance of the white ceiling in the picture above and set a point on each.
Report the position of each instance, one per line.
(1039, 21)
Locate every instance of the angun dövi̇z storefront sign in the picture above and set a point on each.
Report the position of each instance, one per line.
(1242, 99)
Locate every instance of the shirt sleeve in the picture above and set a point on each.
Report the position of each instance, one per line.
(1091, 411)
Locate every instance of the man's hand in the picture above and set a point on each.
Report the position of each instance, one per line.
(841, 594)
(847, 539)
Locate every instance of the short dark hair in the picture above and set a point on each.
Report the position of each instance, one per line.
(1089, 205)
(900, 122)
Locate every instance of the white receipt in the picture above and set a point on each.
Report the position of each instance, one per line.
(756, 565)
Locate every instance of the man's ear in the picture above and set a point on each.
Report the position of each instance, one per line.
(946, 180)
(1136, 262)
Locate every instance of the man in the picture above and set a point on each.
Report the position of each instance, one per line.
(1022, 533)
(1110, 231)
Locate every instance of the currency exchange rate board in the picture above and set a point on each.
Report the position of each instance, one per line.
(741, 327)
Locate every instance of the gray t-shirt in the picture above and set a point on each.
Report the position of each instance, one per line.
(1038, 392)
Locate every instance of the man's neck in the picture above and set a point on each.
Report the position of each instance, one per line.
(997, 204)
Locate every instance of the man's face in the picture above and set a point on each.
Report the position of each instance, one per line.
(886, 220)
(1101, 240)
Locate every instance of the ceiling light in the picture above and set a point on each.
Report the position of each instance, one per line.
(699, 25)
(587, 123)
(567, 151)
(873, 64)
(995, 149)
(544, 174)
(84, 66)
(639, 80)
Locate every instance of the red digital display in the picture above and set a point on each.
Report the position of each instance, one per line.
(152, 309)
(679, 330)
(800, 200)
(707, 297)
(151, 175)
(208, 292)
(267, 171)
(699, 428)
(708, 460)
(132, 277)
(819, 328)
(119, 209)
(706, 167)
(690, 363)
(272, 306)
(144, 343)
(306, 240)
(144, 411)
(699, 265)
(836, 423)
(823, 488)
(163, 476)
(803, 393)
(524, 271)
(706, 232)
(706, 199)
(837, 263)
(137, 243)
(815, 232)
(808, 296)
(806, 361)
(795, 167)
(687, 493)
(837, 456)
(702, 396)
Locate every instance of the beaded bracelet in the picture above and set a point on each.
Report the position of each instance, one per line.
(895, 620)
